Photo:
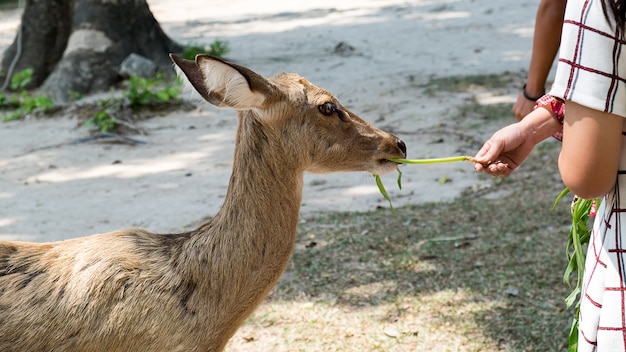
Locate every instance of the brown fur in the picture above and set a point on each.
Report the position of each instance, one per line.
(132, 290)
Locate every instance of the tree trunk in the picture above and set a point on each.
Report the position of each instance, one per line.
(40, 41)
(85, 57)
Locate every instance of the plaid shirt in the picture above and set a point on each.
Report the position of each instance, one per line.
(591, 72)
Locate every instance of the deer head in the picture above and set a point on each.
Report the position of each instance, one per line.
(307, 125)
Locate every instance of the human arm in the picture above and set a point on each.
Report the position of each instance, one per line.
(546, 41)
(590, 79)
(508, 148)
(590, 155)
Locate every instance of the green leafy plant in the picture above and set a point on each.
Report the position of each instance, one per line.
(218, 49)
(383, 190)
(21, 79)
(143, 91)
(27, 105)
(579, 235)
(23, 103)
(103, 121)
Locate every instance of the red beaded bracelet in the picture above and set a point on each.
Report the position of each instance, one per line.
(556, 107)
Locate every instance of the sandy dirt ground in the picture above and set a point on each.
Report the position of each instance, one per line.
(53, 189)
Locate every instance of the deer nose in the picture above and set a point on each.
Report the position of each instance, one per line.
(401, 145)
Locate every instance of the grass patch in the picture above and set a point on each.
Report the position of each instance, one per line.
(475, 274)
(499, 111)
(475, 116)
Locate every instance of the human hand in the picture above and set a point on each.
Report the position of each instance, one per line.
(504, 151)
(522, 106)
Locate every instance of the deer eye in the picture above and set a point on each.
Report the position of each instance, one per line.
(328, 108)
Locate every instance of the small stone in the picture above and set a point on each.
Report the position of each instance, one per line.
(137, 65)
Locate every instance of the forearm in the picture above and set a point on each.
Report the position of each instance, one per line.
(548, 25)
(540, 124)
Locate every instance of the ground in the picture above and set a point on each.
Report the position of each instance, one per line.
(441, 75)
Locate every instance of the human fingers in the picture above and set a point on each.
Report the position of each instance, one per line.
(489, 152)
(499, 168)
(480, 161)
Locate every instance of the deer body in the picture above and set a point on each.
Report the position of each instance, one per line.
(132, 290)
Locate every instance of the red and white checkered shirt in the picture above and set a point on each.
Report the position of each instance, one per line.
(591, 72)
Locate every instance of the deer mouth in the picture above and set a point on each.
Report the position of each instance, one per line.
(387, 161)
(385, 166)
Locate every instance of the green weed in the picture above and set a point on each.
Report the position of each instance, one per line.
(22, 102)
(102, 121)
(141, 93)
(144, 91)
(218, 49)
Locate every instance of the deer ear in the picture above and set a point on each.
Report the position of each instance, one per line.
(224, 84)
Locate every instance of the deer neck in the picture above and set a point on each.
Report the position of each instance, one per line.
(262, 194)
(259, 216)
(239, 255)
(264, 186)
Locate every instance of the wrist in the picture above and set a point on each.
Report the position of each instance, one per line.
(540, 124)
(556, 108)
(530, 95)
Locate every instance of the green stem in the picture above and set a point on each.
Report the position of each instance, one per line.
(433, 161)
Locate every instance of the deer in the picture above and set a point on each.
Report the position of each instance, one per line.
(134, 290)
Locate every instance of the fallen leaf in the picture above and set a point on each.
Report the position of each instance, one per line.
(391, 332)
